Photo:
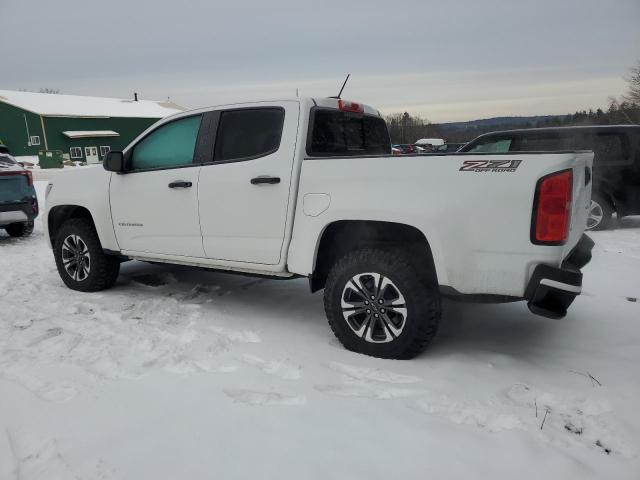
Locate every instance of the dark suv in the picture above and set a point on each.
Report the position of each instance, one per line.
(616, 164)
(18, 201)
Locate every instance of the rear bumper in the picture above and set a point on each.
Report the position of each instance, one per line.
(18, 212)
(551, 290)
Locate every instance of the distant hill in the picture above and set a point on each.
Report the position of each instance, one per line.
(465, 131)
(498, 122)
(404, 128)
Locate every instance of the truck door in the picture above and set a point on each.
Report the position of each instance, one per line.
(154, 205)
(613, 165)
(244, 190)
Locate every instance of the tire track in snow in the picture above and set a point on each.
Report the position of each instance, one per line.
(367, 382)
(258, 398)
(284, 368)
(108, 335)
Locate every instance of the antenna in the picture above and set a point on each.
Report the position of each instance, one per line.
(343, 85)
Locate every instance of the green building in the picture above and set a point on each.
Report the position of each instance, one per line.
(83, 128)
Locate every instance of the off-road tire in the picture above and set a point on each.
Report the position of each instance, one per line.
(104, 269)
(422, 298)
(21, 229)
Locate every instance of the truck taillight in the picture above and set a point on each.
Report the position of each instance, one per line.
(29, 178)
(552, 209)
(352, 107)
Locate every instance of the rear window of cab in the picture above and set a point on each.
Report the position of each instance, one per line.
(335, 134)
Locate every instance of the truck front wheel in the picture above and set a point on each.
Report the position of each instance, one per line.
(81, 263)
(600, 213)
(378, 304)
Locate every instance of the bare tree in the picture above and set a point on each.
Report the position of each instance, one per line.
(406, 128)
(633, 95)
(49, 90)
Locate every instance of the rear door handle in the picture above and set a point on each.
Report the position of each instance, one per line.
(180, 184)
(265, 179)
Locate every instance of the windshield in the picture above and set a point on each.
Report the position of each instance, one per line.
(493, 145)
(336, 133)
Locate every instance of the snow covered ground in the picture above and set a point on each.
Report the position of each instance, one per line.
(181, 374)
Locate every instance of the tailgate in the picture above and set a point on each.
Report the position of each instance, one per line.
(581, 198)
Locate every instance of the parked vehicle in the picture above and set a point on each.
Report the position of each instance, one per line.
(449, 148)
(409, 149)
(616, 165)
(309, 188)
(430, 142)
(18, 201)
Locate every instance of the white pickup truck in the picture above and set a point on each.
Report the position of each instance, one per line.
(308, 188)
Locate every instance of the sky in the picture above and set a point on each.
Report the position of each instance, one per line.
(444, 60)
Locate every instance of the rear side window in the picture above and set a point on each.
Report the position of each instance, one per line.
(336, 133)
(171, 145)
(609, 148)
(545, 143)
(494, 145)
(248, 133)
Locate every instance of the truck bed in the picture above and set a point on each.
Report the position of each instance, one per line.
(476, 218)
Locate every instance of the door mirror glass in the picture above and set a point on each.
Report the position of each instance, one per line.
(114, 162)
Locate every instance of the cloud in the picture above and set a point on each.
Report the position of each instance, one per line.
(445, 60)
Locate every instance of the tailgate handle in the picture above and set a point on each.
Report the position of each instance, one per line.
(180, 184)
(265, 180)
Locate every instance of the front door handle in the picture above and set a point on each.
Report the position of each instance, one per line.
(180, 184)
(264, 179)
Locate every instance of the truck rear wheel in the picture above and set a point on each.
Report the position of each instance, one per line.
(378, 304)
(81, 263)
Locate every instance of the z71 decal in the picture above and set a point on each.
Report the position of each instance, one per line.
(490, 165)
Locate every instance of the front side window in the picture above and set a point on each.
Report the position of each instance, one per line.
(337, 133)
(248, 133)
(495, 145)
(171, 145)
(75, 152)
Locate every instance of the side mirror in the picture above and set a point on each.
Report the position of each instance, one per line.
(114, 162)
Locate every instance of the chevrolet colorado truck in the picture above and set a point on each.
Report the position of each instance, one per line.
(309, 188)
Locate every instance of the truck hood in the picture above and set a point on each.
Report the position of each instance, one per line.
(71, 176)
